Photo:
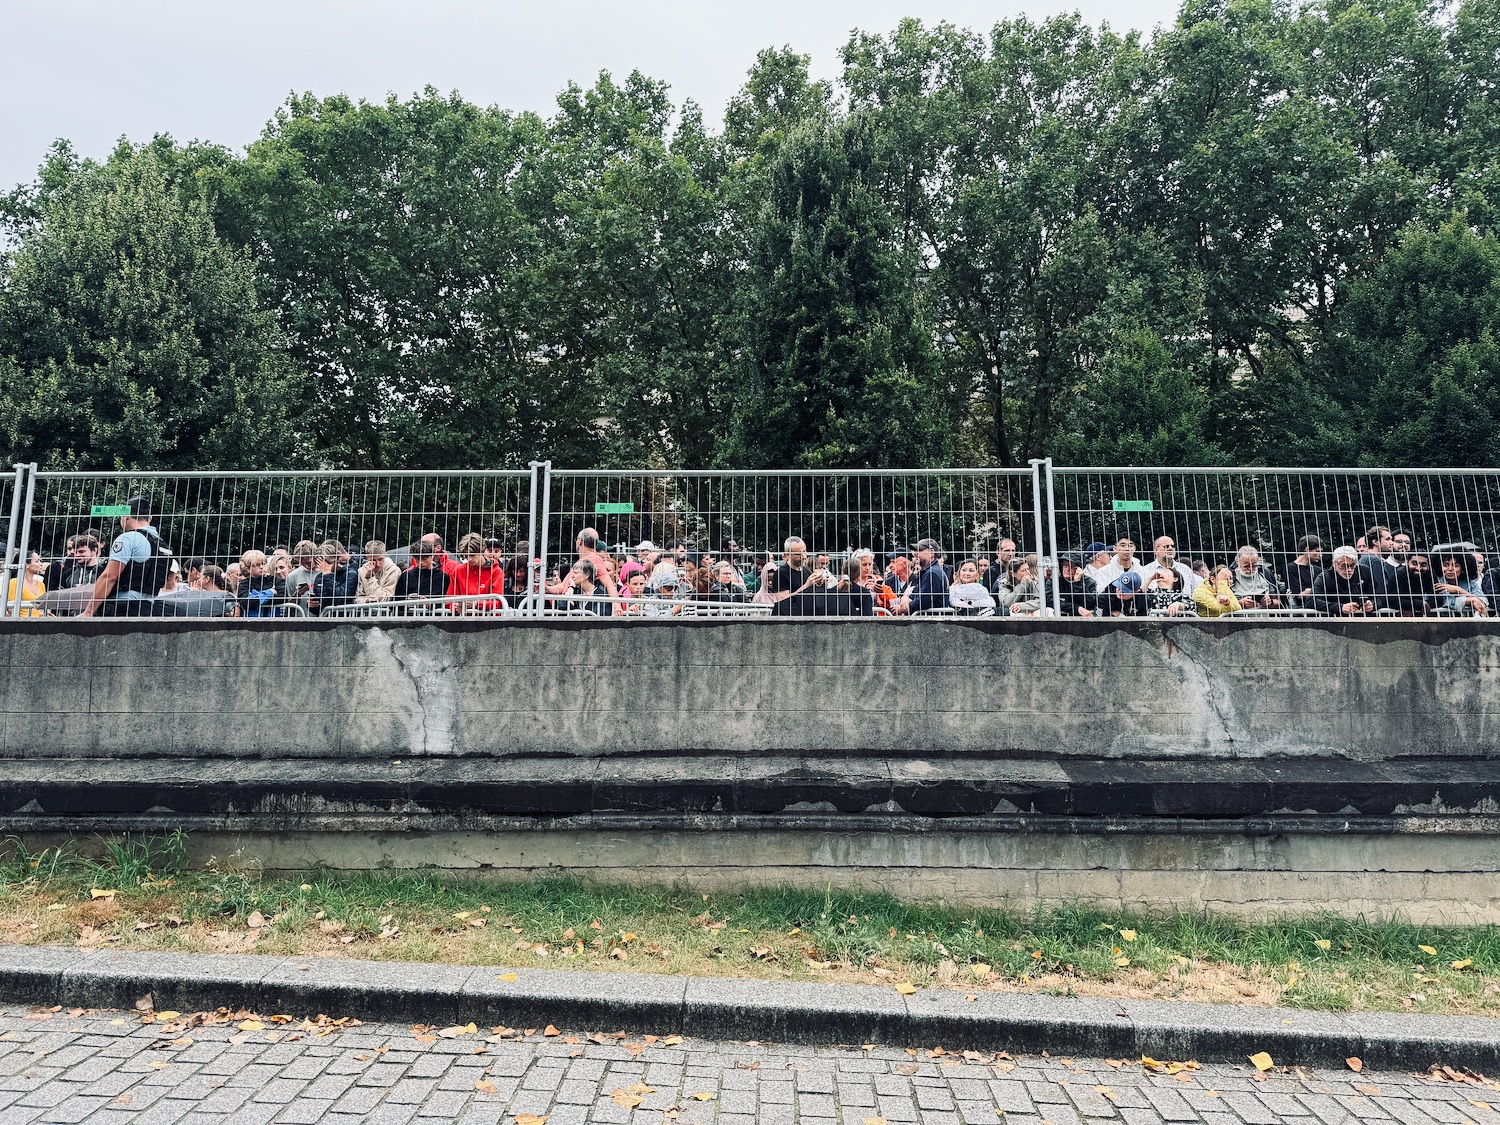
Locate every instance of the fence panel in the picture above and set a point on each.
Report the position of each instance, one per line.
(11, 514)
(1211, 513)
(739, 513)
(219, 515)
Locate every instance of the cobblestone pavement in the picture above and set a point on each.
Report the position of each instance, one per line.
(99, 1067)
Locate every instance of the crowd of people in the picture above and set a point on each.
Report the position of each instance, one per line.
(1382, 573)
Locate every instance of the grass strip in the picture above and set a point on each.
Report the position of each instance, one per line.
(138, 897)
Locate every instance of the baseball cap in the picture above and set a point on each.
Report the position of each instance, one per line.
(139, 507)
(1095, 547)
(926, 545)
(1128, 583)
(898, 553)
(646, 545)
(1074, 557)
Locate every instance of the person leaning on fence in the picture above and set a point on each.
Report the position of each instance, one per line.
(258, 593)
(1164, 552)
(424, 578)
(137, 568)
(82, 566)
(793, 576)
(1123, 561)
(968, 595)
(1457, 584)
(1415, 592)
(1378, 564)
(1023, 596)
(1168, 594)
(1214, 596)
(1076, 596)
(1344, 590)
(1304, 570)
(32, 585)
(727, 587)
(378, 576)
(337, 580)
(474, 574)
(1254, 585)
(929, 583)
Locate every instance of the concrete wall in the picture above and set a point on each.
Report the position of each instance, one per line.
(1366, 691)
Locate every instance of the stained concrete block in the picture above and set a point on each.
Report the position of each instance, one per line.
(1019, 1023)
(180, 982)
(1400, 1040)
(395, 991)
(1225, 1033)
(29, 974)
(579, 1000)
(789, 1012)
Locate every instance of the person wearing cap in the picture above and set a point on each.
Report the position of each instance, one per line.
(662, 591)
(1345, 589)
(1076, 596)
(1123, 596)
(929, 585)
(1095, 556)
(137, 568)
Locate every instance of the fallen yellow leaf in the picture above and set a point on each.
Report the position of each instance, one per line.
(1261, 1061)
(1427, 949)
(874, 1121)
(508, 977)
(906, 988)
(1291, 979)
(97, 893)
(167, 1015)
(1324, 944)
(549, 1031)
(1464, 964)
(485, 1087)
(1355, 1063)
(705, 1096)
(625, 1100)
(671, 1041)
(251, 1025)
(458, 1029)
(1128, 935)
(530, 1119)
(57, 906)
(1122, 962)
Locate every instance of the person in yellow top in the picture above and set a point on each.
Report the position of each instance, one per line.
(32, 587)
(1214, 598)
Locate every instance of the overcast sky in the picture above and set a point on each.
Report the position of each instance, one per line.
(94, 70)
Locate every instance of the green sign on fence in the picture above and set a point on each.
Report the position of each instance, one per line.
(110, 510)
(613, 509)
(1134, 506)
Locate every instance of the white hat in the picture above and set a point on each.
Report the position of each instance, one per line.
(646, 545)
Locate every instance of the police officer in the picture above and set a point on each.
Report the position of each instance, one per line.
(136, 570)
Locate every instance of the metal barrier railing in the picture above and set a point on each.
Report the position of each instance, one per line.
(736, 514)
(538, 514)
(1211, 513)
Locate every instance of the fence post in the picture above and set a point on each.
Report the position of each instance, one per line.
(25, 543)
(541, 575)
(1052, 539)
(524, 604)
(1041, 543)
(10, 540)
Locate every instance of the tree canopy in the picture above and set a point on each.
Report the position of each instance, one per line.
(1266, 234)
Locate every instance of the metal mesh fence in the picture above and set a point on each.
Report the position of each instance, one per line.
(10, 529)
(1211, 513)
(219, 516)
(834, 512)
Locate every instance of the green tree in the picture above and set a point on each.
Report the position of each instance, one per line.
(135, 338)
(838, 361)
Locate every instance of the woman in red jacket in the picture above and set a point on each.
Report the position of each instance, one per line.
(473, 574)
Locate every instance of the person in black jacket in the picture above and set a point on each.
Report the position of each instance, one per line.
(422, 580)
(1413, 593)
(1075, 593)
(1346, 589)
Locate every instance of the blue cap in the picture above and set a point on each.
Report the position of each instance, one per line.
(1095, 548)
(1128, 583)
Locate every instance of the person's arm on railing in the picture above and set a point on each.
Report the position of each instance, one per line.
(104, 586)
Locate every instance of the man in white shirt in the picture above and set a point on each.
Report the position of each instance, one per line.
(1165, 549)
(1124, 561)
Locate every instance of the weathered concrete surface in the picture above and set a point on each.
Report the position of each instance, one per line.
(1251, 767)
(1366, 691)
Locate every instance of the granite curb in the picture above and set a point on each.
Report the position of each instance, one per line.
(770, 1011)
